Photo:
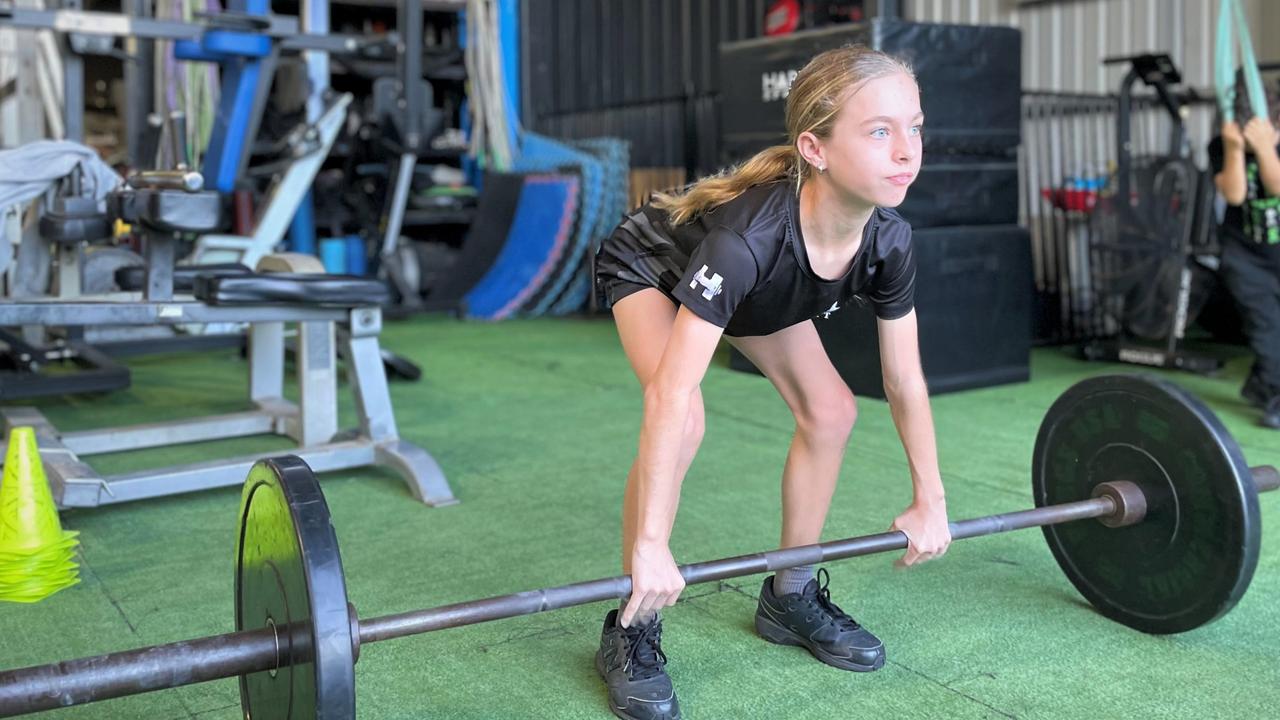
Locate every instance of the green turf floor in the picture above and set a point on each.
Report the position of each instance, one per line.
(534, 423)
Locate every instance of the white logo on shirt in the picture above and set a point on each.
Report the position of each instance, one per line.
(834, 307)
(711, 284)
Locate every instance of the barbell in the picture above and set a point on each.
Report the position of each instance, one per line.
(1174, 546)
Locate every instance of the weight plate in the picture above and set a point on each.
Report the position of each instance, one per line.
(1189, 561)
(289, 576)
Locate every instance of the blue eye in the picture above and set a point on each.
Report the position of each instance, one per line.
(880, 132)
(917, 129)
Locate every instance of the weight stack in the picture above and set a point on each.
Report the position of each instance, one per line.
(973, 304)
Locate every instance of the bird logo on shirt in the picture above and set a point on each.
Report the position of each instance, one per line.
(826, 315)
(712, 286)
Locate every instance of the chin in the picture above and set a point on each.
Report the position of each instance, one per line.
(892, 198)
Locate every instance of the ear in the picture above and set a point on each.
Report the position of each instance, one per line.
(811, 149)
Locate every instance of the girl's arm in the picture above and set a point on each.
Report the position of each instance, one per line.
(656, 581)
(925, 521)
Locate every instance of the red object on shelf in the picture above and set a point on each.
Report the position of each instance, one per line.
(1070, 198)
(782, 17)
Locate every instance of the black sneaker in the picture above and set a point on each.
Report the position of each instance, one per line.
(634, 669)
(809, 619)
(1255, 392)
(1271, 414)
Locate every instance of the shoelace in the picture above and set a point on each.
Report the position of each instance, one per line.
(645, 658)
(839, 618)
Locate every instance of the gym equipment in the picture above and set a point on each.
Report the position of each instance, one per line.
(1176, 504)
(1231, 21)
(1147, 232)
(328, 310)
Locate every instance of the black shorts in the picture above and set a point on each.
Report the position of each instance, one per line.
(609, 287)
(616, 278)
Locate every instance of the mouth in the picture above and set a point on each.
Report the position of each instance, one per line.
(903, 179)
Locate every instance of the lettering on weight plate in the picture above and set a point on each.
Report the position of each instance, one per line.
(1152, 426)
(1088, 426)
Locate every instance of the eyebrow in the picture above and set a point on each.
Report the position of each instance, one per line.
(885, 118)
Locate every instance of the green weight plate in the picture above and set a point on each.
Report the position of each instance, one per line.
(1190, 560)
(289, 576)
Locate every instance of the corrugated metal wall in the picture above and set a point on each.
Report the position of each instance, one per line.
(1064, 41)
(1069, 121)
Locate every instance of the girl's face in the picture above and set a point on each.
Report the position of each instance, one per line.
(874, 150)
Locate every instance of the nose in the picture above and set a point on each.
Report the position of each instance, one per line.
(904, 150)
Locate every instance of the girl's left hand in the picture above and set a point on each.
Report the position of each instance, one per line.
(1261, 135)
(927, 531)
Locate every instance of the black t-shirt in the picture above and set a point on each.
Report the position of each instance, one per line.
(742, 266)
(1256, 222)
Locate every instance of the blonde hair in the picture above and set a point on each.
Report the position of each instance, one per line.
(817, 94)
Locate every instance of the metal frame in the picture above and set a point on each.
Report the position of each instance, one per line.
(115, 24)
(312, 422)
(311, 148)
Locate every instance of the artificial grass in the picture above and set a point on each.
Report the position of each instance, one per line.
(534, 422)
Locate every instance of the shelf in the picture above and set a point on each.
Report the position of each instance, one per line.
(427, 5)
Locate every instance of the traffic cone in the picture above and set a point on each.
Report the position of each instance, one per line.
(37, 557)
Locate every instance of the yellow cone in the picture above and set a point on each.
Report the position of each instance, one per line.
(28, 516)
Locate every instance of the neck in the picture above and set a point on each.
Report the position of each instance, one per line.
(831, 220)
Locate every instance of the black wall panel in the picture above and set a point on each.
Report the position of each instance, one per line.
(589, 63)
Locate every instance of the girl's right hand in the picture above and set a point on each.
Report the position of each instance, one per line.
(655, 581)
(1232, 137)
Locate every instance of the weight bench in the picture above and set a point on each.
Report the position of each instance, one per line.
(318, 304)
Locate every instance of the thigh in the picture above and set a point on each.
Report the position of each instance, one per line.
(796, 362)
(644, 319)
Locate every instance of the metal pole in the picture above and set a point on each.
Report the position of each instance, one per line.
(527, 603)
(75, 682)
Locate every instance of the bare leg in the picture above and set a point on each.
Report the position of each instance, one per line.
(796, 363)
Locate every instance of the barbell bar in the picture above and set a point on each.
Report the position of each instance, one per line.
(298, 638)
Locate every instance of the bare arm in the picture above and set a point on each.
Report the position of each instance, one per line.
(1230, 180)
(908, 397)
(655, 579)
(666, 406)
(1261, 137)
(925, 521)
(1269, 171)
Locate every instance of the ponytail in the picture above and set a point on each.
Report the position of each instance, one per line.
(773, 163)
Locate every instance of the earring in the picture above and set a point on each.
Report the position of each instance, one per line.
(822, 169)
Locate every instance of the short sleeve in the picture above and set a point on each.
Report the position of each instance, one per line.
(721, 272)
(894, 292)
(1215, 154)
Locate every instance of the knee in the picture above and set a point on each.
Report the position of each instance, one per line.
(829, 418)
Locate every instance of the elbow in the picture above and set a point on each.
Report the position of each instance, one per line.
(900, 387)
(1232, 192)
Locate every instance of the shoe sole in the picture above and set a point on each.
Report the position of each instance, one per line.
(623, 713)
(779, 635)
